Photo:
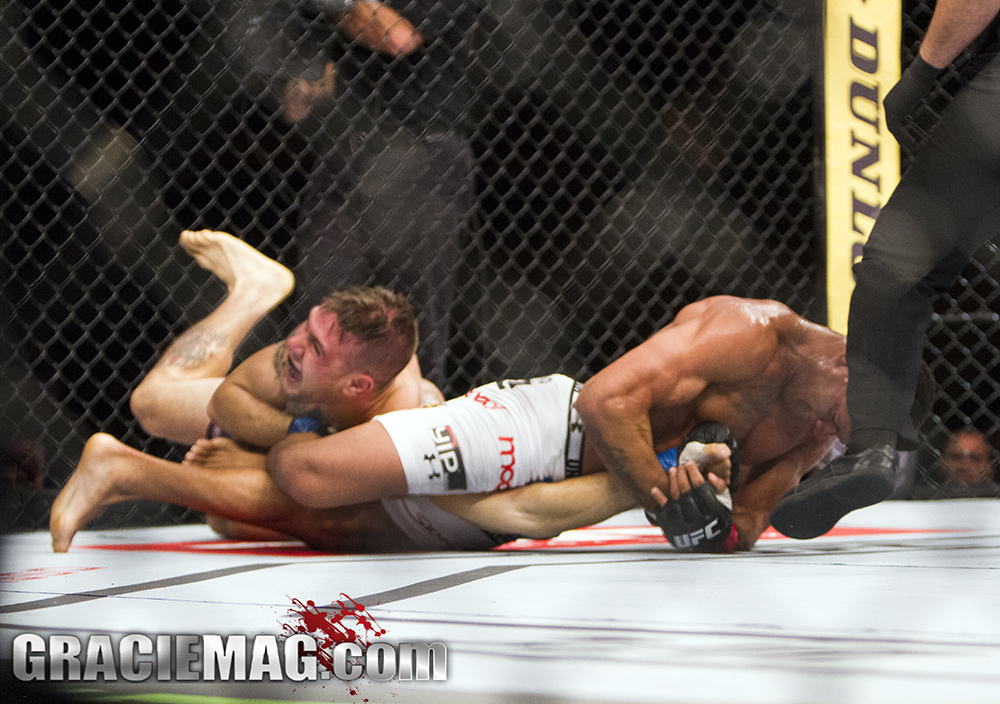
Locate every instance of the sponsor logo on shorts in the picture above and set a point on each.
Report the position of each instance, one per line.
(449, 458)
(484, 401)
(514, 383)
(506, 462)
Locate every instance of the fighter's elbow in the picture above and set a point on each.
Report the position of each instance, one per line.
(277, 467)
(534, 528)
(291, 474)
(750, 526)
(539, 515)
(146, 408)
(544, 533)
(745, 544)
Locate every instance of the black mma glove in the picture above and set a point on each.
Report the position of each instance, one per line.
(916, 82)
(698, 522)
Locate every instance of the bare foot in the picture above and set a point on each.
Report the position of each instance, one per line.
(257, 280)
(95, 485)
(223, 453)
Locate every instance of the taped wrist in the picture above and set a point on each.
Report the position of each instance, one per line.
(709, 432)
(307, 424)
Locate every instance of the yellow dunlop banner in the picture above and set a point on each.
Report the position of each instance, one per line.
(861, 64)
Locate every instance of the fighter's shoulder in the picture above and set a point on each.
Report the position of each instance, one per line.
(750, 310)
(762, 321)
(259, 364)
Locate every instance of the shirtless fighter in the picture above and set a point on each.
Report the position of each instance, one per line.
(353, 359)
(188, 387)
(774, 379)
(777, 381)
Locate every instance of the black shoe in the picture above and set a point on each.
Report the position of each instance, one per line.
(848, 483)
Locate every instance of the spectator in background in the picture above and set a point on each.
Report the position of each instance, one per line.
(967, 469)
(381, 94)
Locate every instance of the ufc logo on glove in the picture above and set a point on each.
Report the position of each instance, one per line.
(694, 538)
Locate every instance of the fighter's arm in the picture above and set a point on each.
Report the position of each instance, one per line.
(766, 484)
(953, 27)
(249, 405)
(543, 510)
(711, 342)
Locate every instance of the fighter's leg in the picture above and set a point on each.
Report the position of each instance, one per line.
(110, 472)
(224, 453)
(234, 530)
(170, 401)
(544, 509)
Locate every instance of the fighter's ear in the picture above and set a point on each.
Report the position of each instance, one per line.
(360, 384)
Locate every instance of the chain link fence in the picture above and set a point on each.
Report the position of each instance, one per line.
(964, 338)
(549, 182)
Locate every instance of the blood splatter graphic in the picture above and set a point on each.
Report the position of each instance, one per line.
(343, 621)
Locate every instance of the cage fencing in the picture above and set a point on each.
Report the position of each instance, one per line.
(549, 183)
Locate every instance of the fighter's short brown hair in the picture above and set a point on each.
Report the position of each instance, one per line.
(384, 324)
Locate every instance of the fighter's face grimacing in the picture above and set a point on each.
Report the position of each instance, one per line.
(315, 358)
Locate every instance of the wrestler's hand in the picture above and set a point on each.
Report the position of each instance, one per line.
(381, 28)
(706, 434)
(687, 477)
(713, 466)
(696, 517)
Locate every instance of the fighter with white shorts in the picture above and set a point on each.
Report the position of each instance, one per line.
(432, 528)
(498, 436)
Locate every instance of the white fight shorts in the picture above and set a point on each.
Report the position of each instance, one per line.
(502, 435)
(433, 528)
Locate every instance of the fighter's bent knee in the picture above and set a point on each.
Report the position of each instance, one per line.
(144, 407)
